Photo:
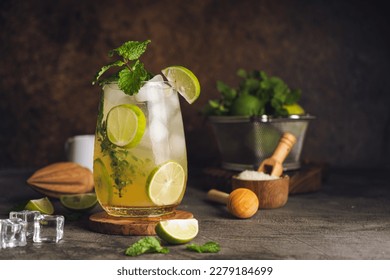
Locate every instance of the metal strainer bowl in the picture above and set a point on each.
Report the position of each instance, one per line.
(244, 142)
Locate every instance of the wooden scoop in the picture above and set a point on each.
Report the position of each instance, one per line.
(242, 203)
(274, 164)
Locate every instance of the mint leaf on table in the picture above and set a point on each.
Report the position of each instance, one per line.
(131, 72)
(147, 244)
(208, 247)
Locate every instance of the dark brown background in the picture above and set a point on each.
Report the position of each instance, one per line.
(337, 52)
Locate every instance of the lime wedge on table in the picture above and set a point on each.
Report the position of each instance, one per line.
(79, 202)
(184, 81)
(178, 231)
(125, 125)
(42, 205)
(166, 183)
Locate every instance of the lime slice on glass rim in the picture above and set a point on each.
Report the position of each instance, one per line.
(166, 183)
(125, 125)
(178, 231)
(184, 81)
(42, 205)
(79, 202)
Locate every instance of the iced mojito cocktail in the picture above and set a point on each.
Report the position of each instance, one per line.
(140, 161)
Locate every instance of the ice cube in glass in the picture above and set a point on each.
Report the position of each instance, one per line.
(48, 228)
(13, 233)
(149, 90)
(28, 217)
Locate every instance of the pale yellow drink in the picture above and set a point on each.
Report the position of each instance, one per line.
(123, 175)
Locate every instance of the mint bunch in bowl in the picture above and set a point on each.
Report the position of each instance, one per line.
(257, 94)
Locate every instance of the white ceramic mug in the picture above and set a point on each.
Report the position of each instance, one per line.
(79, 149)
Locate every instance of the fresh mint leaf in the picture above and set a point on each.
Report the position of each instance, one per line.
(293, 96)
(242, 73)
(147, 244)
(130, 80)
(263, 75)
(227, 92)
(131, 71)
(118, 63)
(271, 91)
(214, 103)
(208, 247)
(251, 85)
(131, 50)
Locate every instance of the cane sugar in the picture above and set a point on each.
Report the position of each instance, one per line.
(255, 176)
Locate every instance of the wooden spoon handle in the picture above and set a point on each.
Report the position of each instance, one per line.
(284, 147)
(218, 196)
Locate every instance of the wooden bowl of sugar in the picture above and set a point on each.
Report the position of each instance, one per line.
(271, 191)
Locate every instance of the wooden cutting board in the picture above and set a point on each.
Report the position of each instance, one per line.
(104, 223)
(305, 180)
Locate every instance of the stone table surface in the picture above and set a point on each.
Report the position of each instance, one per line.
(349, 218)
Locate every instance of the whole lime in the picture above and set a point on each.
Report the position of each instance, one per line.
(246, 105)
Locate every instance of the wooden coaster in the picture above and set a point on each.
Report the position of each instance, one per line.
(104, 223)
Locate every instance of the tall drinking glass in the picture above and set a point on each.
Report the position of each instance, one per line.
(140, 161)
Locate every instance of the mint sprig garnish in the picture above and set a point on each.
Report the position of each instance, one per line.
(131, 71)
(131, 50)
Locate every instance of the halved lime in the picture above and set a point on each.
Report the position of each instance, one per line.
(42, 205)
(79, 202)
(178, 231)
(166, 183)
(125, 125)
(184, 81)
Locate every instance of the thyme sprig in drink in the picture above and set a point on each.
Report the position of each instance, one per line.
(140, 162)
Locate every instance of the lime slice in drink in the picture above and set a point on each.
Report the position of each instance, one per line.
(166, 183)
(125, 125)
(79, 202)
(102, 179)
(178, 231)
(42, 205)
(184, 81)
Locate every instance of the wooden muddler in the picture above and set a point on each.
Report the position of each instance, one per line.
(274, 164)
(242, 203)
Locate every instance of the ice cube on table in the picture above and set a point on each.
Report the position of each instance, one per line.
(28, 217)
(48, 228)
(12, 233)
